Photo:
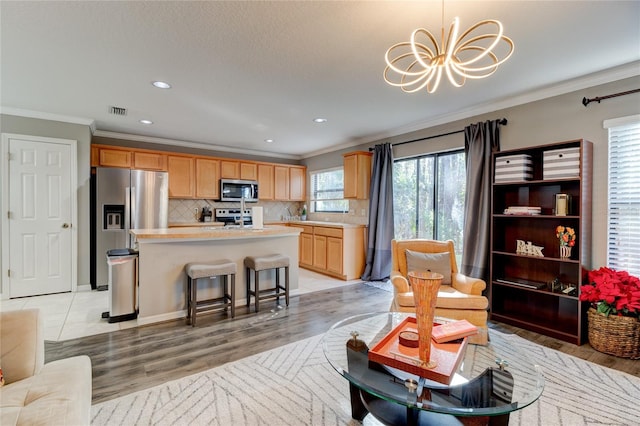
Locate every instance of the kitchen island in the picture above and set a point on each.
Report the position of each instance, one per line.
(165, 252)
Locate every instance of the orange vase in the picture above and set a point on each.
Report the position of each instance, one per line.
(425, 287)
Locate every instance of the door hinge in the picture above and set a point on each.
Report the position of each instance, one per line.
(9, 273)
(8, 215)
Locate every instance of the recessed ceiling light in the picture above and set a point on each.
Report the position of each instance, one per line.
(161, 85)
(320, 120)
(146, 121)
(268, 140)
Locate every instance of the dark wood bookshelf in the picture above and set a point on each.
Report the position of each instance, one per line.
(547, 310)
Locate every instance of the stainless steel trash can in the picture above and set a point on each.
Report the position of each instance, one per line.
(123, 284)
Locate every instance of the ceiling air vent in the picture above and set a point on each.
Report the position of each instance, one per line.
(117, 110)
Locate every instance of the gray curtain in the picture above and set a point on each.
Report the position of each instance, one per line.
(480, 140)
(378, 265)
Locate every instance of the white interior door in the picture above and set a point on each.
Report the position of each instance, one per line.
(41, 209)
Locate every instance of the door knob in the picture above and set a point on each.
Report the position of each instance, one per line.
(66, 225)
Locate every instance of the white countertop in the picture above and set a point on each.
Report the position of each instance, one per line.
(211, 233)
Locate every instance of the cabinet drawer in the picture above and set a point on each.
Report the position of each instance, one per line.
(329, 232)
(306, 228)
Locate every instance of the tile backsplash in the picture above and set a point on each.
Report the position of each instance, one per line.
(184, 210)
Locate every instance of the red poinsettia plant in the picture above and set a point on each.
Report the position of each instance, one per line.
(612, 292)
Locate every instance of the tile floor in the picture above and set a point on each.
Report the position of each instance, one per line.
(72, 315)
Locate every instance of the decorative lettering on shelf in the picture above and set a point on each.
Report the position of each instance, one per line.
(528, 249)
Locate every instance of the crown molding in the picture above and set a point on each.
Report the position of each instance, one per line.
(187, 144)
(621, 72)
(19, 112)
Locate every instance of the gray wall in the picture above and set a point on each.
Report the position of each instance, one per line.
(82, 134)
(554, 119)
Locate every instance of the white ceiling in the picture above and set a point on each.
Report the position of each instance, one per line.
(243, 72)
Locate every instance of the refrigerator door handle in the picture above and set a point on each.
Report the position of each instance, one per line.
(133, 196)
(127, 216)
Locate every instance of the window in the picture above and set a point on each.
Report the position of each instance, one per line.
(327, 191)
(623, 245)
(428, 196)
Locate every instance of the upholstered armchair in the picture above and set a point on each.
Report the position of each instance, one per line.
(459, 297)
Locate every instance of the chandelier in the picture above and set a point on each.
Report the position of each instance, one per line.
(421, 61)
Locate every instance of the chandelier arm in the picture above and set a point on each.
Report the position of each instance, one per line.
(451, 67)
(466, 46)
(473, 73)
(404, 78)
(493, 56)
(450, 47)
(479, 24)
(414, 45)
(392, 64)
(433, 88)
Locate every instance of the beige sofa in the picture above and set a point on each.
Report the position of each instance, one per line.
(35, 393)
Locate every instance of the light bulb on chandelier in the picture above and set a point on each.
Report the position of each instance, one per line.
(421, 61)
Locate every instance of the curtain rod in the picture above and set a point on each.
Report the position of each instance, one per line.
(502, 121)
(586, 101)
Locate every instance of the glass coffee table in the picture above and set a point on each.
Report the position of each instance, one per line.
(490, 382)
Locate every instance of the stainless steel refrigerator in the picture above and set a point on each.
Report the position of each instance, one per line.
(125, 199)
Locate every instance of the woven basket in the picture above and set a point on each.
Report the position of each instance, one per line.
(614, 335)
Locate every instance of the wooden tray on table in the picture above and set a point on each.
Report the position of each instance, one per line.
(446, 355)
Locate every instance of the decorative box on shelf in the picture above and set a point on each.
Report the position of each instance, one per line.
(561, 163)
(513, 168)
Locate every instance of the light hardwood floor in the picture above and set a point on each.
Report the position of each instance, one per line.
(129, 360)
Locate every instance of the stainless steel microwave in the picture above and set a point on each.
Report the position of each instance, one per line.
(236, 189)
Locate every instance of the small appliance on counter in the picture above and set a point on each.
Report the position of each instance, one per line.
(206, 215)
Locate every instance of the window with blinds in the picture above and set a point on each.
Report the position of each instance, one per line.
(623, 245)
(327, 191)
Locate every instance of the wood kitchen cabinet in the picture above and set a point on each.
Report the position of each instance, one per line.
(281, 183)
(265, 182)
(357, 174)
(113, 157)
(149, 161)
(249, 171)
(320, 252)
(338, 251)
(192, 175)
(289, 183)
(306, 246)
(297, 183)
(207, 178)
(229, 169)
(181, 176)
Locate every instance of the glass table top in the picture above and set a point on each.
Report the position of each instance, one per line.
(491, 380)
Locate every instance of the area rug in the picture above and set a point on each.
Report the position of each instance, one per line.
(295, 385)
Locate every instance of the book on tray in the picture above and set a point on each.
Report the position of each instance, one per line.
(453, 331)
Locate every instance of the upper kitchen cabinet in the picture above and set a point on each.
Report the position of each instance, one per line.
(249, 171)
(149, 161)
(281, 183)
(110, 157)
(207, 178)
(181, 176)
(289, 183)
(229, 169)
(297, 183)
(357, 175)
(265, 182)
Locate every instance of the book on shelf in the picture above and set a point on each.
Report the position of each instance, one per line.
(523, 210)
(536, 285)
(453, 331)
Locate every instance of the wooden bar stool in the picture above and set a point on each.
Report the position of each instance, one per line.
(264, 263)
(222, 268)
